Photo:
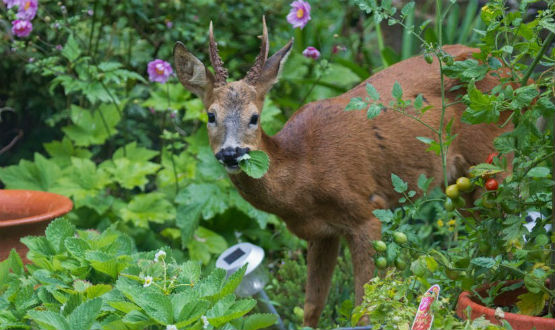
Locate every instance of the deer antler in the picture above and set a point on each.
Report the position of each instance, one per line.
(217, 63)
(254, 73)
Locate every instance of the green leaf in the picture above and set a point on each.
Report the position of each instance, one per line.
(38, 175)
(130, 174)
(71, 49)
(82, 180)
(424, 183)
(356, 103)
(228, 309)
(92, 127)
(424, 139)
(531, 303)
(57, 231)
(145, 208)
(49, 320)
(408, 8)
(204, 243)
(157, 306)
(482, 108)
(539, 172)
(232, 282)
(384, 215)
(134, 153)
(259, 321)
(108, 264)
(85, 314)
(373, 110)
(418, 102)
(76, 246)
(137, 320)
(123, 306)
(397, 91)
(399, 185)
(190, 272)
(467, 70)
(485, 169)
(38, 244)
(524, 97)
(15, 263)
(372, 92)
(484, 262)
(256, 165)
(192, 311)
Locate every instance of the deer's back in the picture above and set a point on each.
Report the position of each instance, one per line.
(344, 161)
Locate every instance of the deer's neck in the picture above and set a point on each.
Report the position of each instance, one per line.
(268, 192)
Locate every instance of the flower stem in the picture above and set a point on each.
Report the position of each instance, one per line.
(538, 57)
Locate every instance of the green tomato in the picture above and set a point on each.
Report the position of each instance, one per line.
(452, 191)
(464, 184)
(400, 264)
(488, 203)
(418, 268)
(399, 237)
(380, 246)
(449, 204)
(381, 263)
(459, 202)
(429, 58)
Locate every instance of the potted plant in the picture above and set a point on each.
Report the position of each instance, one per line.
(27, 212)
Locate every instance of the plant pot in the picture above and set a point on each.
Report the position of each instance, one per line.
(509, 298)
(27, 212)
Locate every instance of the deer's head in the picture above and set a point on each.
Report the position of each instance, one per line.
(234, 108)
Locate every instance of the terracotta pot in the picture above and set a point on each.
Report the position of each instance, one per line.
(27, 212)
(509, 298)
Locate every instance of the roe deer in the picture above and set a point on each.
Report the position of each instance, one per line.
(329, 169)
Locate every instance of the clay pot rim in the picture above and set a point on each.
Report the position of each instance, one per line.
(465, 299)
(64, 205)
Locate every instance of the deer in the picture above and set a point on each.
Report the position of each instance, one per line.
(330, 168)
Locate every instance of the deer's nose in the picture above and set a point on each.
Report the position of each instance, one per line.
(229, 155)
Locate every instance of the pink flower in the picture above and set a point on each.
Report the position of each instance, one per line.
(299, 14)
(90, 12)
(169, 24)
(11, 3)
(27, 9)
(59, 47)
(311, 52)
(21, 28)
(338, 48)
(159, 71)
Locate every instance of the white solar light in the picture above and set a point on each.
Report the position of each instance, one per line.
(256, 277)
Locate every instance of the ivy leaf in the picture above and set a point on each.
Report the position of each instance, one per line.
(399, 185)
(356, 103)
(372, 92)
(256, 165)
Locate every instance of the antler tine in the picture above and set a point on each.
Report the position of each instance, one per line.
(254, 73)
(217, 63)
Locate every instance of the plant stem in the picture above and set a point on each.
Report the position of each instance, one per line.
(552, 277)
(538, 57)
(381, 46)
(443, 149)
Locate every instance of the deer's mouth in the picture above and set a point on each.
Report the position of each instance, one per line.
(232, 169)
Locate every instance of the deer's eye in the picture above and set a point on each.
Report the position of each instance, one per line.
(211, 117)
(254, 120)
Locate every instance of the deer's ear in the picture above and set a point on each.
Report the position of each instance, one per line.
(272, 68)
(191, 72)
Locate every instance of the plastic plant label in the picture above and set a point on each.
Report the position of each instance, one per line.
(424, 317)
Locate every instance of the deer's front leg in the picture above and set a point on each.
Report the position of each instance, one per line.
(362, 252)
(321, 260)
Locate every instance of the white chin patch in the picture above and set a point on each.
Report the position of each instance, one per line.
(233, 170)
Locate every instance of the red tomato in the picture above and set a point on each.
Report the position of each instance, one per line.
(491, 156)
(491, 184)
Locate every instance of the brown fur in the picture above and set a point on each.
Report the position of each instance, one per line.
(329, 169)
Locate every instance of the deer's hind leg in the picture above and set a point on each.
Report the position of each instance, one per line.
(321, 260)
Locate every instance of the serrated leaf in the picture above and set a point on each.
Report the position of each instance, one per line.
(92, 127)
(384, 215)
(356, 103)
(57, 231)
(71, 49)
(372, 92)
(373, 110)
(418, 102)
(539, 172)
(49, 320)
(257, 165)
(228, 309)
(483, 262)
(137, 320)
(76, 246)
(424, 183)
(38, 175)
(108, 264)
(85, 314)
(485, 169)
(408, 8)
(130, 174)
(399, 185)
(38, 244)
(482, 108)
(191, 312)
(397, 91)
(145, 208)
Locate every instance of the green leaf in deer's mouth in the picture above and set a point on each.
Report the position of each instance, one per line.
(255, 164)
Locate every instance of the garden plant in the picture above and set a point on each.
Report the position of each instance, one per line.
(91, 108)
